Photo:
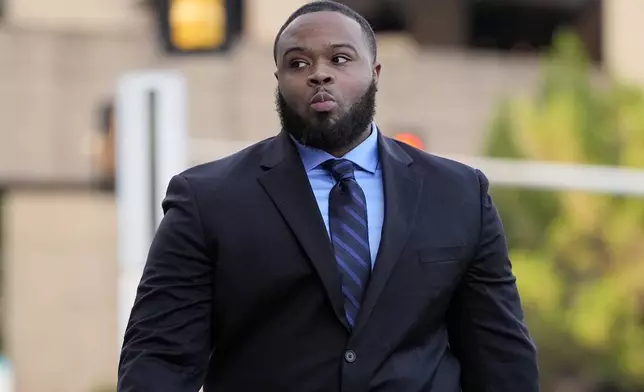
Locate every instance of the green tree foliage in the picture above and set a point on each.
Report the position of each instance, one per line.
(579, 257)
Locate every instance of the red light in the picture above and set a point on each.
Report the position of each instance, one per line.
(410, 139)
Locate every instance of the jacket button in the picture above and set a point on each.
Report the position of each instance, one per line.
(350, 356)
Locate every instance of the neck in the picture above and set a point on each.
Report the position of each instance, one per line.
(339, 153)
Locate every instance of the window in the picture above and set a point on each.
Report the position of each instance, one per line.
(387, 17)
(529, 25)
(104, 158)
(520, 26)
(383, 15)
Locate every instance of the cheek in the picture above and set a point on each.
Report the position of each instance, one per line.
(290, 96)
(292, 91)
(354, 90)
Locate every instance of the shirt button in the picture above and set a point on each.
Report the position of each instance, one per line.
(350, 356)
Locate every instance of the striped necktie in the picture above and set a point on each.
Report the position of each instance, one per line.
(349, 234)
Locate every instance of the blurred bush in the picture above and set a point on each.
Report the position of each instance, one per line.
(579, 257)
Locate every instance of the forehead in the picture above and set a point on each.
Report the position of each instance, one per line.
(322, 28)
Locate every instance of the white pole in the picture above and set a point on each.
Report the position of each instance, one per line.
(519, 173)
(560, 176)
(151, 147)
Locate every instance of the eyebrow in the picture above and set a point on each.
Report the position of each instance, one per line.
(333, 46)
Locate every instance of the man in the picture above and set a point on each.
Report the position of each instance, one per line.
(330, 257)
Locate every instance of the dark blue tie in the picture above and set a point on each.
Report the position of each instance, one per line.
(349, 234)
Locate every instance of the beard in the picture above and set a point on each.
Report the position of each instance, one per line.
(321, 131)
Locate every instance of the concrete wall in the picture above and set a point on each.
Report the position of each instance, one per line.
(76, 15)
(624, 39)
(60, 290)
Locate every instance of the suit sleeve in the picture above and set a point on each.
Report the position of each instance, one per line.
(168, 339)
(486, 327)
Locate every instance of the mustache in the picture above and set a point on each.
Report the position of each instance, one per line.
(320, 131)
(283, 104)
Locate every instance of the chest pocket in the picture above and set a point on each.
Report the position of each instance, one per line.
(442, 254)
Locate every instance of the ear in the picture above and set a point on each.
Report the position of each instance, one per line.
(376, 73)
(276, 77)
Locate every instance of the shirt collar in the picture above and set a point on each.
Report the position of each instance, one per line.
(364, 155)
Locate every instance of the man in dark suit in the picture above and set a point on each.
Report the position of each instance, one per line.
(330, 257)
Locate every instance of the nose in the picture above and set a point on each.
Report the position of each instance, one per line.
(320, 77)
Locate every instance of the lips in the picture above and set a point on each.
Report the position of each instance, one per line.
(322, 102)
(322, 96)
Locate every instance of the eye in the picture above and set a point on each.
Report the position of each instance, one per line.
(297, 64)
(340, 59)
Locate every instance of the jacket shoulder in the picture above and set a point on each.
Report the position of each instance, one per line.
(233, 167)
(440, 167)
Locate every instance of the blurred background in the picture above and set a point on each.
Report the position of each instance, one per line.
(545, 96)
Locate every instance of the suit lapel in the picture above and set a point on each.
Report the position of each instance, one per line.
(402, 188)
(286, 183)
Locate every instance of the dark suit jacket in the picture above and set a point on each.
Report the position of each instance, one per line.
(241, 293)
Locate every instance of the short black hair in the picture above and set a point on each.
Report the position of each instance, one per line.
(332, 6)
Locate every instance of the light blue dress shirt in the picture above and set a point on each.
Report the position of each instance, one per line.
(368, 175)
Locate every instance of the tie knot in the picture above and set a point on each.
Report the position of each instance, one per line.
(340, 169)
